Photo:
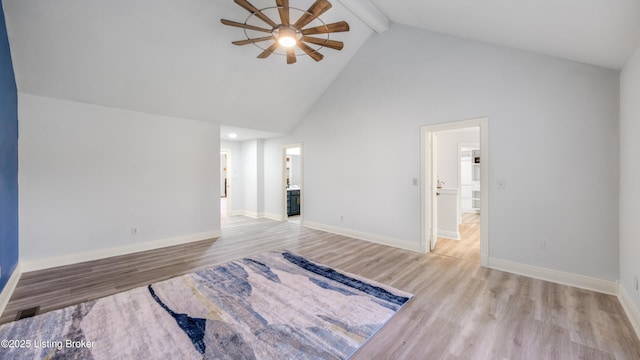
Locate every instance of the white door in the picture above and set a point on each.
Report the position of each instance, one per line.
(223, 174)
(466, 184)
(433, 188)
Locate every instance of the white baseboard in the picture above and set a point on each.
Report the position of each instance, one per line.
(633, 313)
(252, 214)
(9, 288)
(378, 239)
(276, 217)
(258, 215)
(556, 276)
(484, 260)
(46, 263)
(454, 235)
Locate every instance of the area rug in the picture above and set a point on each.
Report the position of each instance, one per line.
(275, 305)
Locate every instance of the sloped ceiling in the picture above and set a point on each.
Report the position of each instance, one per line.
(597, 32)
(175, 58)
(167, 57)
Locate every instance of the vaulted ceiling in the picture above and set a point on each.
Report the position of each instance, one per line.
(167, 57)
(175, 58)
(598, 32)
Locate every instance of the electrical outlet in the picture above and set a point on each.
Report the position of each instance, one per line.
(635, 281)
(341, 218)
(501, 184)
(542, 244)
(134, 231)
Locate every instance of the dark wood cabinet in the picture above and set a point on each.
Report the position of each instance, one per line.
(293, 202)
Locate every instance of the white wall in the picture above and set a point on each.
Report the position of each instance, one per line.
(362, 146)
(88, 174)
(295, 169)
(249, 169)
(252, 177)
(236, 188)
(260, 177)
(630, 176)
(273, 180)
(448, 153)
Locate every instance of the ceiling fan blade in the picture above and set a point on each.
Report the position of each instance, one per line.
(291, 55)
(283, 9)
(332, 44)
(311, 52)
(252, 9)
(316, 9)
(252, 41)
(244, 26)
(340, 26)
(268, 51)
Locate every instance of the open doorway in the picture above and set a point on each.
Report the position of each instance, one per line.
(458, 195)
(293, 189)
(225, 184)
(454, 205)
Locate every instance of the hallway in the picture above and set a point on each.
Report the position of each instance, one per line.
(468, 247)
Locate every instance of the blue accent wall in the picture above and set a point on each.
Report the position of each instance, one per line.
(8, 159)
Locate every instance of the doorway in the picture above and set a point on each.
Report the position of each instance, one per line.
(225, 184)
(469, 177)
(435, 188)
(293, 186)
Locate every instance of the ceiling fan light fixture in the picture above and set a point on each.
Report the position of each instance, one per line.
(290, 34)
(287, 41)
(286, 36)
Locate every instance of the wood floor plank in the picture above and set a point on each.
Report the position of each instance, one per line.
(460, 310)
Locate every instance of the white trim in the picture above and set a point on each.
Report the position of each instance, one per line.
(460, 146)
(9, 288)
(629, 307)
(368, 13)
(252, 214)
(453, 235)
(425, 238)
(484, 259)
(484, 192)
(46, 263)
(378, 239)
(556, 276)
(272, 216)
(258, 215)
(455, 125)
(227, 152)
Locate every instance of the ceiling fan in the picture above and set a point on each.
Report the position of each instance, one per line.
(287, 33)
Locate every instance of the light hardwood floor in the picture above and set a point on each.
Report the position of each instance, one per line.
(468, 247)
(460, 310)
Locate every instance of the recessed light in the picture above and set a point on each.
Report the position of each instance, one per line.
(233, 135)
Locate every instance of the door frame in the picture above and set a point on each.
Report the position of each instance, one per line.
(284, 176)
(229, 188)
(428, 186)
(432, 139)
(460, 146)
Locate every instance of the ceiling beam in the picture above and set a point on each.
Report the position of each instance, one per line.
(368, 13)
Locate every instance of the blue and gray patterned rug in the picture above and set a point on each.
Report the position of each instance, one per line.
(275, 305)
